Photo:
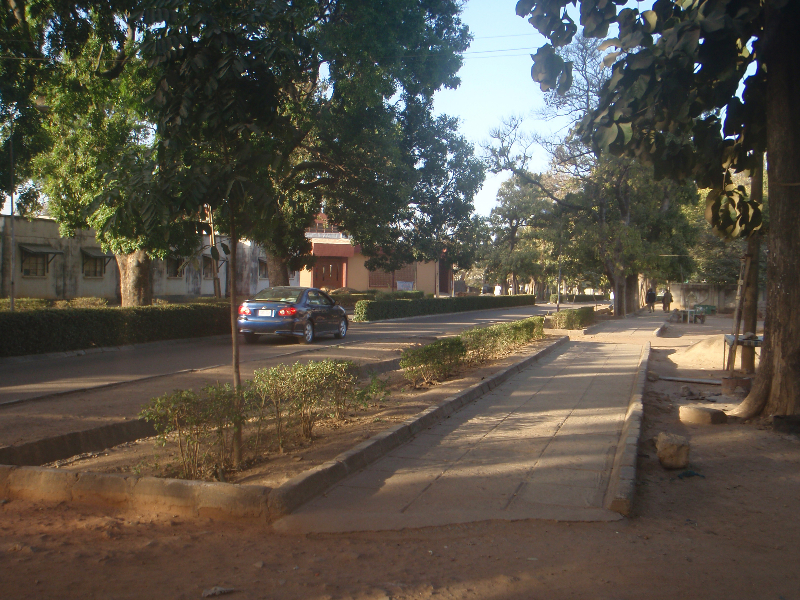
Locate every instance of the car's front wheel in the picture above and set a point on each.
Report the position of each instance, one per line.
(308, 333)
(341, 331)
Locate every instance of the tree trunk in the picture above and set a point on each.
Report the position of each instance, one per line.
(750, 318)
(136, 286)
(776, 390)
(237, 381)
(277, 270)
(750, 310)
(631, 286)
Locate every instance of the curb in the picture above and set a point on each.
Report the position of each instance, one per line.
(660, 330)
(175, 496)
(300, 489)
(234, 501)
(622, 482)
(47, 450)
(58, 447)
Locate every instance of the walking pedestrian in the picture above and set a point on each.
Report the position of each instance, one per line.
(667, 300)
(650, 300)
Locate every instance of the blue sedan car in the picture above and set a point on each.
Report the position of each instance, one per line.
(299, 312)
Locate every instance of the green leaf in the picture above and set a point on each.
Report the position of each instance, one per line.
(608, 44)
(610, 59)
(524, 7)
(627, 132)
(606, 136)
(651, 18)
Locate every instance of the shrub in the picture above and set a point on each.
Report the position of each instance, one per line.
(61, 330)
(271, 390)
(305, 390)
(81, 303)
(433, 362)
(199, 423)
(576, 298)
(24, 304)
(487, 343)
(377, 310)
(400, 295)
(181, 413)
(573, 318)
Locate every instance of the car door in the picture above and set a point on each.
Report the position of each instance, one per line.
(319, 312)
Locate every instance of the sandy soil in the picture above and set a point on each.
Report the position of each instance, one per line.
(728, 532)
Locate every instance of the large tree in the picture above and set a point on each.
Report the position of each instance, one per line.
(262, 107)
(673, 100)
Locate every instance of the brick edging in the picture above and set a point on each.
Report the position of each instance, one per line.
(622, 482)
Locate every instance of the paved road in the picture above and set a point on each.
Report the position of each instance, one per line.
(539, 446)
(49, 375)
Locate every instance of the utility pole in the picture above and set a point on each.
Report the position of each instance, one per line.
(558, 286)
(215, 262)
(13, 239)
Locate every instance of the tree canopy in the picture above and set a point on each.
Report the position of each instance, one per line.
(674, 101)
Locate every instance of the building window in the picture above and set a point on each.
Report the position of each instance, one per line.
(175, 267)
(263, 273)
(208, 268)
(93, 267)
(34, 265)
(407, 274)
(379, 279)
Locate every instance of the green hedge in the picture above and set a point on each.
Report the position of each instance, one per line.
(433, 362)
(376, 310)
(436, 361)
(573, 318)
(577, 298)
(400, 295)
(64, 329)
(494, 341)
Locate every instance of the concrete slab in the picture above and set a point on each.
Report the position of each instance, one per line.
(539, 446)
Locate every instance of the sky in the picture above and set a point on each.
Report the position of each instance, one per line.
(496, 83)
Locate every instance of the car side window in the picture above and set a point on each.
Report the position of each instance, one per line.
(314, 299)
(326, 300)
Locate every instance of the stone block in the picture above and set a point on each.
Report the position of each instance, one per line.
(673, 450)
(155, 493)
(5, 473)
(700, 415)
(101, 487)
(34, 483)
(302, 488)
(228, 500)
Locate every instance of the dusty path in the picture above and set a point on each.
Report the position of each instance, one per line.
(731, 534)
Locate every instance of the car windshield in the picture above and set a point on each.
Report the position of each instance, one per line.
(279, 294)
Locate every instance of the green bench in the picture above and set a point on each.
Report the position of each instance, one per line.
(705, 309)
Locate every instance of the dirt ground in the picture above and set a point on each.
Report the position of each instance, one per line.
(729, 531)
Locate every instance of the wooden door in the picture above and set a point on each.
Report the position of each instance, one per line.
(329, 272)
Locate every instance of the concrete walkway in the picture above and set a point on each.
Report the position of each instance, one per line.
(539, 446)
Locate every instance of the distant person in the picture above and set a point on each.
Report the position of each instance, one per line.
(650, 300)
(667, 300)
